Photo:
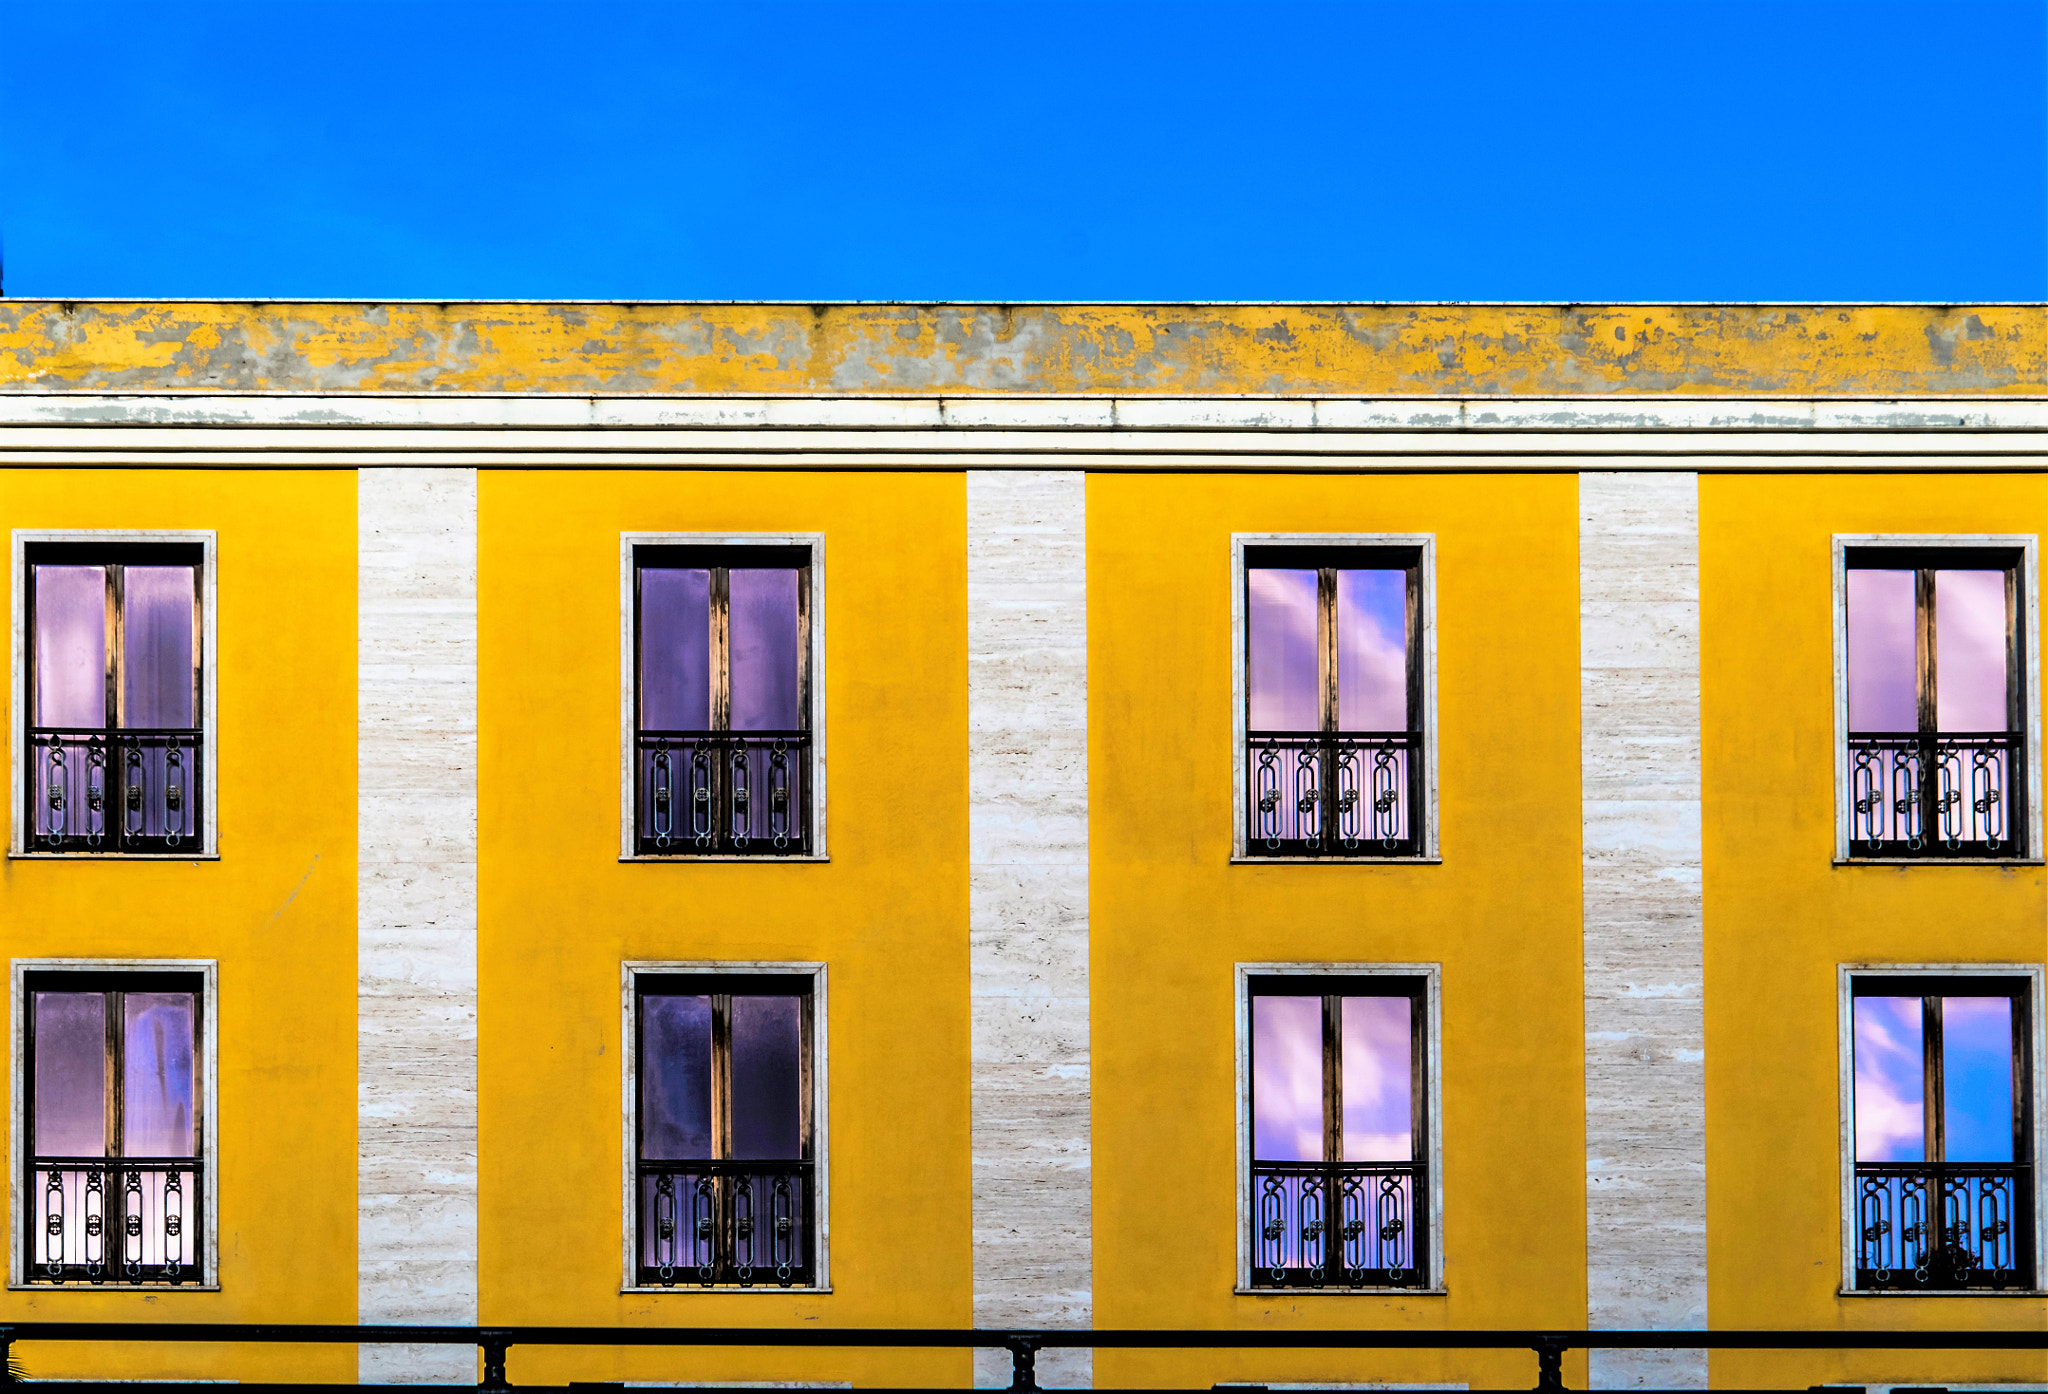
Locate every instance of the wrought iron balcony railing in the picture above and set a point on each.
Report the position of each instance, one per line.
(120, 1220)
(724, 793)
(115, 791)
(1956, 794)
(1935, 1226)
(1348, 794)
(726, 1224)
(1354, 1224)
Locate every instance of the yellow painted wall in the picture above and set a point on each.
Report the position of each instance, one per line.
(277, 911)
(1780, 916)
(559, 913)
(1171, 916)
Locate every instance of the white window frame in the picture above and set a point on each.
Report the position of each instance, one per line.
(1432, 993)
(1845, 974)
(630, 974)
(2028, 546)
(209, 722)
(1425, 543)
(207, 1067)
(628, 678)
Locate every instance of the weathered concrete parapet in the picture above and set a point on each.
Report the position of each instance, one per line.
(1177, 350)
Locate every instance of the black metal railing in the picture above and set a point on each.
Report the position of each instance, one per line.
(1958, 794)
(114, 791)
(495, 1343)
(725, 793)
(1944, 1226)
(1348, 794)
(726, 1224)
(120, 1220)
(1358, 1224)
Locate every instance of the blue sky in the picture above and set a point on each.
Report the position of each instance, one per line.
(977, 150)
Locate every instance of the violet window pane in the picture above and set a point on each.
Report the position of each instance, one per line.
(1976, 1078)
(764, 657)
(767, 1082)
(1883, 669)
(675, 649)
(1287, 1079)
(1280, 676)
(71, 646)
(675, 1078)
(157, 1092)
(1372, 650)
(71, 1074)
(1378, 1082)
(1890, 1077)
(156, 639)
(1969, 651)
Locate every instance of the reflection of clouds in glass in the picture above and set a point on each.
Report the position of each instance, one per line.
(1976, 1078)
(1378, 1080)
(1890, 1122)
(1969, 650)
(1883, 667)
(1287, 1079)
(1281, 681)
(1372, 650)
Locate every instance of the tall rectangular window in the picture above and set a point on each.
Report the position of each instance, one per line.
(1943, 1095)
(1334, 701)
(115, 702)
(722, 688)
(1937, 728)
(724, 1169)
(1338, 1130)
(112, 1094)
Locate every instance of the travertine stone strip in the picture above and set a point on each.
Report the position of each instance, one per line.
(1027, 702)
(416, 982)
(1639, 687)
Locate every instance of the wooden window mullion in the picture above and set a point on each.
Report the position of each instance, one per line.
(1933, 1090)
(719, 664)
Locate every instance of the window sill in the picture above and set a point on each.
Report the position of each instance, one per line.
(113, 856)
(815, 859)
(1341, 1292)
(1946, 1292)
(104, 1289)
(1939, 861)
(1239, 859)
(679, 1290)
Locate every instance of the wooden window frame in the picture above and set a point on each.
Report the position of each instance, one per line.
(720, 552)
(2017, 554)
(116, 549)
(636, 976)
(118, 975)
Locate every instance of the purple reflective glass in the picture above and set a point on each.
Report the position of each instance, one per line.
(1890, 1079)
(1281, 672)
(1969, 651)
(1379, 1080)
(157, 1093)
(71, 1074)
(156, 647)
(764, 656)
(1372, 650)
(1976, 1078)
(675, 649)
(71, 646)
(767, 1080)
(1287, 1079)
(1884, 682)
(675, 1078)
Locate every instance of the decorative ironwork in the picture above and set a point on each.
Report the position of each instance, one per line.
(119, 1220)
(1958, 794)
(1355, 1224)
(114, 791)
(723, 793)
(1347, 794)
(1934, 1226)
(725, 1224)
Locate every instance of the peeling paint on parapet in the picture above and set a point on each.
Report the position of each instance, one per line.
(1196, 350)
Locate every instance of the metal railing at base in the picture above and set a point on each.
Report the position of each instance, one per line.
(496, 1342)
